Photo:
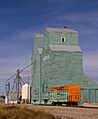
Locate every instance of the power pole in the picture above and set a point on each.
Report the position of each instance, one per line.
(28, 93)
(18, 78)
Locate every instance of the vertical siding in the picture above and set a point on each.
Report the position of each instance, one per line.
(36, 78)
(55, 38)
(89, 95)
(63, 69)
(59, 68)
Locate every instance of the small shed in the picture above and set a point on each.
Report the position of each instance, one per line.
(11, 98)
(26, 93)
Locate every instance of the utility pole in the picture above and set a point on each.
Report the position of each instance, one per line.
(18, 84)
(28, 93)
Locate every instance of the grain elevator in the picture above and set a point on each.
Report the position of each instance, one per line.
(58, 61)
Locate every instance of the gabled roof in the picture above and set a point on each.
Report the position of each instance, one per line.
(63, 30)
(65, 48)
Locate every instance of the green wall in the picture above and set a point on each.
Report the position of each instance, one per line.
(57, 68)
(55, 38)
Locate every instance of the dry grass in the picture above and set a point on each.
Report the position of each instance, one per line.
(14, 112)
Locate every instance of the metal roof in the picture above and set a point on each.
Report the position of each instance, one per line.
(63, 30)
(65, 48)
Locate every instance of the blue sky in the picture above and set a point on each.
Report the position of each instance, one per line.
(20, 19)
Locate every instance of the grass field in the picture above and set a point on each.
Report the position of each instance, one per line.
(15, 112)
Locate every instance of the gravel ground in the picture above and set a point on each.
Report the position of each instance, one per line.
(67, 112)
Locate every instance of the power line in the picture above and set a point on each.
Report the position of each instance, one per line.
(20, 71)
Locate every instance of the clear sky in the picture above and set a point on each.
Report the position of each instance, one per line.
(20, 19)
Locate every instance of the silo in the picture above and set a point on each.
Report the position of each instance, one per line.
(26, 93)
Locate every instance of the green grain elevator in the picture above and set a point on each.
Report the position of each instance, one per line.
(57, 61)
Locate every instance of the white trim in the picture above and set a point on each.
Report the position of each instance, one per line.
(62, 38)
